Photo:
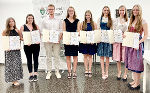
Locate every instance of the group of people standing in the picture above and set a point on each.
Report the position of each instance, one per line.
(131, 57)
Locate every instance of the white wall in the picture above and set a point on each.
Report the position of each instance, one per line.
(20, 8)
(96, 7)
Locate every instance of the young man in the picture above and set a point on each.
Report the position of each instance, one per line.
(55, 24)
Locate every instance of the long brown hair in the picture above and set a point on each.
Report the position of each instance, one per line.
(109, 24)
(74, 16)
(33, 23)
(125, 15)
(138, 25)
(84, 27)
(7, 29)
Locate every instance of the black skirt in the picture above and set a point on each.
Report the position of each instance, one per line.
(71, 50)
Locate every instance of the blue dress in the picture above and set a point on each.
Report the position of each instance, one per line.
(104, 49)
(90, 49)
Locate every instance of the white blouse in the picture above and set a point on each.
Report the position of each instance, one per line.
(118, 25)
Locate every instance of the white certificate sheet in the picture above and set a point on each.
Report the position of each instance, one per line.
(90, 37)
(111, 36)
(45, 35)
(83, 37)
(14, 43)
(27, 38)
(97, 34)
(35, 35)
(118, 36)
(66, 37)
(74, 38)
(5, 42)
(54, 36)
(131, 40)
(104, 36)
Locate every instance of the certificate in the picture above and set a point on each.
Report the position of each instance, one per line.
(74, 38)
(66, 37)
(104, 36)
(11, 43)
(35, 35)
(83, 37)
(54, 36)
(70, 38)
(97, 36)
(111, 36)
(131, 40)
(14, 43)
(5, 42)
(90, 37)
(136, 40)
(27, 38)
(118, 36)
(45, 35)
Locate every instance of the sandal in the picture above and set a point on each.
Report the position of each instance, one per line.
(90, 74)
(103, 76)
(86, 73)
(74, 75)
(106, 75)
(69, 75)
(125, 78)
(16, 84)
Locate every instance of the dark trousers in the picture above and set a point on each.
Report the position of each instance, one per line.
(29, 50)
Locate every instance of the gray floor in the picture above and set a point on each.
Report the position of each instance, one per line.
(81, 85)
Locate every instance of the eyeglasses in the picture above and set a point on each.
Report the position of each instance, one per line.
(51, 9)
(71, 11)
(30, 18)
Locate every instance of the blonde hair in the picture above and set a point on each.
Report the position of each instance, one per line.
(138, 25)
(51, 5)
(109, 24)
(7, 29)
(74, 16)
(84, 27)
(126, 15)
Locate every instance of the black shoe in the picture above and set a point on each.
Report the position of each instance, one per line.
(118, 78)
(136, 88)
(35, 78)
(124, 80)
(31, 78)
(129, 85)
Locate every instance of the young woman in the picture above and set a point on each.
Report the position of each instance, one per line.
(118, 49)
(31, 49)
(71, 24)
(88, 49)
(105, 49)
(134, 56)
(13, 61)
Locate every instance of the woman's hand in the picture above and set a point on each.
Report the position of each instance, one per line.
(123, 36)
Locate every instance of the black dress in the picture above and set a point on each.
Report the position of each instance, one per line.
(71, 50)
(13, 63)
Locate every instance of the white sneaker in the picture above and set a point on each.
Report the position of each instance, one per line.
(57, 74)
(48, 75)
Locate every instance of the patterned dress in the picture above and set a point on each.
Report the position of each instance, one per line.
(13, 63)
(90, 49)
(118, 49)
(133, 57)
(104, 49)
